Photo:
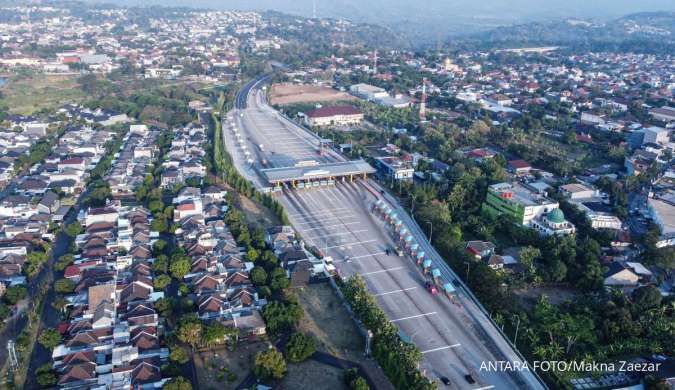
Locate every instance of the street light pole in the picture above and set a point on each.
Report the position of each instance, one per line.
(431, 230)
(515, 337)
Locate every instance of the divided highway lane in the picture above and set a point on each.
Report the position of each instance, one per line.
(338, 220)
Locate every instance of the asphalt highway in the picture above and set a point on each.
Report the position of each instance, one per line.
(454, 335)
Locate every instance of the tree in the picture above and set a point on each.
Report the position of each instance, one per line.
(159, 246)
(278, 279)
(46, 376)
(14, 294)
(359, 384)
(528, 256)
(258, 276)
(190, 332)
(73, 229)
(49, 338)
(300, 347)
(64, 286)
(178, 355)
(63, 262)
(162, 281)
(163, 307)
(646, 298)
(180, 266)
(281, 317)
(178, 383)
(252, 255)
(354, 380)
(269, 364)
(214, 334)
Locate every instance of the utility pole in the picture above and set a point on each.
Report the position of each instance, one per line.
(468, 268)
(431, 230)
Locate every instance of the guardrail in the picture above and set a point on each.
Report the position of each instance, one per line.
(450, 276)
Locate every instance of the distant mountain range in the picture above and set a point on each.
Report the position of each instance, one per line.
(646, 32)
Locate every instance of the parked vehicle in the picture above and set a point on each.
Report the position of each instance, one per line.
(431, 288)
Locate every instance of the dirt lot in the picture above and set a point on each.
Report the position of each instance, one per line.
(214, 366)
(255, 213)
(287, 93)
(328, 321)
(556, 295)
(305, 375)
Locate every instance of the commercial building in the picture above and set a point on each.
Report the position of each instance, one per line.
(576, 191)
(394, 168)
(592, 203)
(368, 92)
(335, 115)
(663, 215)
(526, 207)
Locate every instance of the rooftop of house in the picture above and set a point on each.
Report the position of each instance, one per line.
(519, 194)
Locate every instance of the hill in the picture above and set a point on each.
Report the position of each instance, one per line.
(647, 32)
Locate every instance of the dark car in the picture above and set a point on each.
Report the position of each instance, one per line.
(445, 380)
(469, 378)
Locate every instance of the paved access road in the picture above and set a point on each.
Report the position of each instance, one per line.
(454, 338)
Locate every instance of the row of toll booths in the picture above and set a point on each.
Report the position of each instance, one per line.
(410, 246)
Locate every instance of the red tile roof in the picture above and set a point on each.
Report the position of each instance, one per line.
(325, 112)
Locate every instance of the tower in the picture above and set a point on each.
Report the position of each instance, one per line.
(423, 101)
(375, 61)
(313, 9)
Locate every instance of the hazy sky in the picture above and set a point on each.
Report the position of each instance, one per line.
(441, 16)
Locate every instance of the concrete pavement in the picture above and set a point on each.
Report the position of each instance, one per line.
(453, 338)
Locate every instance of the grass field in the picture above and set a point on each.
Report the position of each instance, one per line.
(33, 93)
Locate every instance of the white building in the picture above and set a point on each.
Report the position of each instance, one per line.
(656, 135)
(368, 92)
(663, 214)
(576, 191)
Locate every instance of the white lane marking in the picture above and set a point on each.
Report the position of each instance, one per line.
(362, 256)
(441, 348)
(337, 234)
(485, 388)
(350, 244)
(395, 291)
(324, 211)
(331, 226)
(415, 316)
(381, 271)
(322, 220)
